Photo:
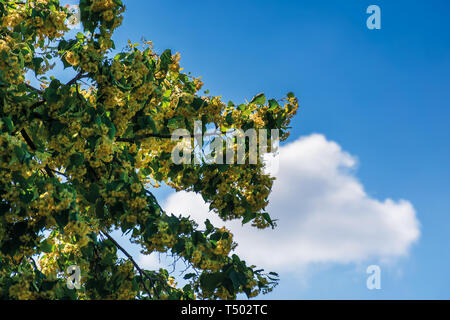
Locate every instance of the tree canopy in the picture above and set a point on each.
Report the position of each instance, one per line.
(80, 158)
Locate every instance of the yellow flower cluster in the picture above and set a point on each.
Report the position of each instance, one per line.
(101, 5)
(72, 58)
(138, 203)
(196, 257)
(258, 121)
(108, 15)
(53, 27)
(77, 228)
(136, 187)
(223, 246)
(175, 65)
(89, 58)
(125, 292)
(49, 264)
(11, 69)
(113, 97)
(137, 71)
(160, 242)
(21, 291)
(104, 152)
(13, 19)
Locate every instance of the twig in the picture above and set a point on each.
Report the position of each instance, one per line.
(78, 77)
(144, 136)
(58, 172)
(29, 86)
(142, 272)
(38, 103)
(169, 136)
(30, 143)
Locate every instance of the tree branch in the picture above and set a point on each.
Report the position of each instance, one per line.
(142, 272)
(144, 136)
(30, 143)
(29, 86)
(60, 173)
(78, 77)
(168, 136)
(38, 103)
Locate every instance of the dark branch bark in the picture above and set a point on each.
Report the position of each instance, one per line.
(142, 272)
(167, 136)
(30, 143)
(58, 172)
(38, 103)
(29, 86)
(78, 77)
(144, 136)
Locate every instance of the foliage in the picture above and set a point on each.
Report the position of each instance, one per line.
(78, 160)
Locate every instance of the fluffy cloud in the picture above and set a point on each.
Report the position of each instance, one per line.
(323, 212)
(151, 262)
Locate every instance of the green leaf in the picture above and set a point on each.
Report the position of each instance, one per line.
(179, 246)
(26, 196)
(234, 278)
(189, 276)
(20, 153)
(266, 217)
(198, 103)
(209, 226)
(56, 127)
(259, 99)
(37, 63)
(46, 246)
(174, 123)
(80, 36)
(210, 281)
(93, 194)
(62, 218)
(229, 118)
(9, 124)
(76, 160)
(120, 56)
(248, 217)
(166, 60)
(100, 208)
(112, 131)
(273, 104)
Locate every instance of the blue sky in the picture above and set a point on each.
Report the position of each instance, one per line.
(382, 95)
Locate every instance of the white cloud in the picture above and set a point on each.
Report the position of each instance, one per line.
(323, 212)
(150, 262)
